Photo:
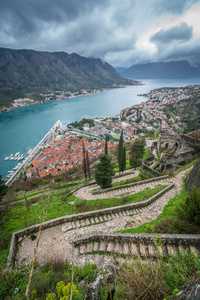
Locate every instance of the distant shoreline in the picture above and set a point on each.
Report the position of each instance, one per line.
(73, 95)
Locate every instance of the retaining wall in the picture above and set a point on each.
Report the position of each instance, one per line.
(129, 185)
(145, 167)
(85, 219)
(143, 245)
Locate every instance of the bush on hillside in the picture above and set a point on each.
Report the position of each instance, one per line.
(154, 280)
(172, 226)
(189, 210)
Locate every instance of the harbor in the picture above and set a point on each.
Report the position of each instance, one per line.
(31, 154)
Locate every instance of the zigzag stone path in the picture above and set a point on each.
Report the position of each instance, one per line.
(84, 193)
(56, 243)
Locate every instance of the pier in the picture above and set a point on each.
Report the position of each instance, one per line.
(34, 152)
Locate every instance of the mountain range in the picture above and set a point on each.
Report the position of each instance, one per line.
(25, 71)
(161, 70)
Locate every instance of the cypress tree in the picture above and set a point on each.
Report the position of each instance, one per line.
(121, 152)
(84, 162)
(137, 152)
(106, 145)
(124, 159)
(104, 172)
(87, 164)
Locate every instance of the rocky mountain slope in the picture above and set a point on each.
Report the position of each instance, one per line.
(161, 70)
(22, 71)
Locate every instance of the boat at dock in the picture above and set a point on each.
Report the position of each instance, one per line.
(29, 151)
(17, 156)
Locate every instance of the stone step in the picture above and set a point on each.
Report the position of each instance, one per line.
(92, 221)
(96, 220)
(101, 219)
(110, 247)
(77, 223)
(118, 248)
(90, 247)
(105, 217)
(76, 251)
(87, 222)
(82, 249)
(82, 222)
(103, 246)
(73, 225)
(96, 246)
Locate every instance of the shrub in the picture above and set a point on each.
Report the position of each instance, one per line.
(46, 282)
(172, 226)
(141, 281)
(82, 206)
(86, 272)
(154, 280)
(181, 266)
(66, 291)
(189, 210)
(144, 176)
(10, 281)
(51, 296)
(59, 288)
(57, 178)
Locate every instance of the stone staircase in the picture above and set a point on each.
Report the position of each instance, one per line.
(144, 245)
(88, 193)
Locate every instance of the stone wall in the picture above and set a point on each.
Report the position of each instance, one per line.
(145, 168)
(148, 160)
(85, 219)
(143, 245)
(123, 186)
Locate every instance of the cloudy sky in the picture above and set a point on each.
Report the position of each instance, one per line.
(121, 32)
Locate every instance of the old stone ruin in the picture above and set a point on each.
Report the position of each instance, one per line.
(171, 149)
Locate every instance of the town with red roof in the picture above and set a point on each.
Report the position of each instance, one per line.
(65, 154)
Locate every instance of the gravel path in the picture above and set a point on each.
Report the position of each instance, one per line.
(55, 243)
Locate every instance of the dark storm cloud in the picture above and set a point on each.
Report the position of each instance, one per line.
(176, 44)
(29, 15)
(174, 6)
(109, 29)
(180, 33)
(189, 52)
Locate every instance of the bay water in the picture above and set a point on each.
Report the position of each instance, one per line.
(22, 128)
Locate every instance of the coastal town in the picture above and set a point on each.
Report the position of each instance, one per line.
(64, 149)
(47, 97)
(65, 154)
(151, 115)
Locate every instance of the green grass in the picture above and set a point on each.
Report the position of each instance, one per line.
(168, 212)
(126, 181)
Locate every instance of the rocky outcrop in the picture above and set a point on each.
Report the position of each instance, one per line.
(174, 149)
(188, 148)
(194, 178)
(189, 291)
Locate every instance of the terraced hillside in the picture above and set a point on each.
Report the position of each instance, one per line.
(58, 234)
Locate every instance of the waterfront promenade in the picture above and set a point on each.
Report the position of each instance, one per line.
(34, 152)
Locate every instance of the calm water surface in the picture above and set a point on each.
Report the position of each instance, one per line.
(24, 127)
